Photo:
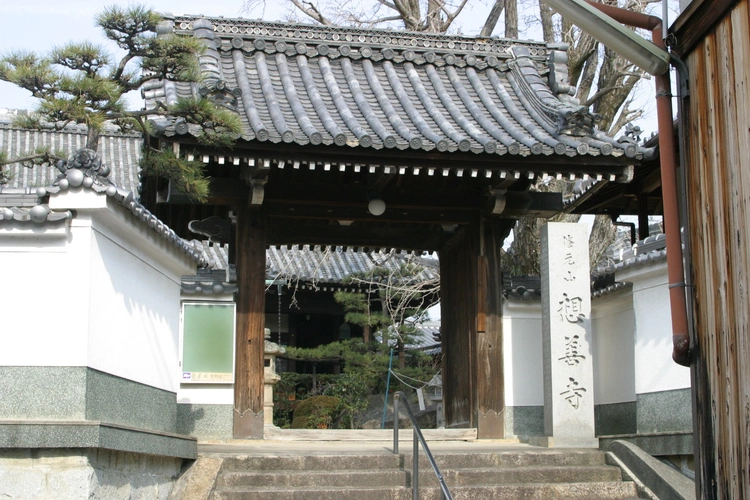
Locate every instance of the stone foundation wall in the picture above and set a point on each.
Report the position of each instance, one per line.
(85, 473)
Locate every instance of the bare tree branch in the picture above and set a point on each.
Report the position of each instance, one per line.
(312, 11)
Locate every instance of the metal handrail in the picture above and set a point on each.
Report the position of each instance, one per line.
(418, 438)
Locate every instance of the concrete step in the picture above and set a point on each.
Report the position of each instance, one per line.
(361, 475)
(311, 462)
(343, 435)
(380, 478)
(581, 491)
(342, 493)
(509, 475)
(526, 458)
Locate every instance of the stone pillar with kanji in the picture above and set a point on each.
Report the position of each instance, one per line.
(566, 337)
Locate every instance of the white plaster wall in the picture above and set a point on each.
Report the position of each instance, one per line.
(654, 369)
(43, 295)
(134, 315)
(613, 328)
(206, 394)
(103, 293)
(522, 353)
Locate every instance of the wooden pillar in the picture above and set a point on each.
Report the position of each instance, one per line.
(643, 229)
(489, 358)
(471, 316)
(458, 305)
(251, 276)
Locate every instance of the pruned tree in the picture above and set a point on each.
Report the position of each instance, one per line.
(405, 291)
(80, 83)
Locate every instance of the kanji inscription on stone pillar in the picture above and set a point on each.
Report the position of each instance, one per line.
(566, 337)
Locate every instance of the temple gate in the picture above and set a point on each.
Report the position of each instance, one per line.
(384, 139)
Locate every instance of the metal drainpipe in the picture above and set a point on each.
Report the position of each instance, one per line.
(668, 165)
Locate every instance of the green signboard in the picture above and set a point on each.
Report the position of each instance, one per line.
(207, 342)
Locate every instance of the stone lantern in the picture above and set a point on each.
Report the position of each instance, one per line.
(270, 377)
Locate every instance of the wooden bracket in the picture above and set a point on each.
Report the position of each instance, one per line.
(499, 205)
(257, 190)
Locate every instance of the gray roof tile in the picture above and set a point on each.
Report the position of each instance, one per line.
(335, 86)
(121, 151)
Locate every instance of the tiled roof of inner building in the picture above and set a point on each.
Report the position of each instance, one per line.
(121, 151)
(335, 86)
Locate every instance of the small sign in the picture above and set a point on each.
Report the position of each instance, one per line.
(206, 377)
(420, 397)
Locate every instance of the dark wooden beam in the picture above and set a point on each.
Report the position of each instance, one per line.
(286, 232)
(356, 195)
(392, 214)
(531, 204)
(650, 183)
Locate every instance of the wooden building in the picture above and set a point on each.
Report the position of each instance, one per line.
(713, 38)
(385, 139)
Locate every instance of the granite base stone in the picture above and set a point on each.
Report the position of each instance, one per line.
(615, 418)
(665, 411)
(73, 474)
(524, 421)
(205, 421)
(81, 393)
(37, 434)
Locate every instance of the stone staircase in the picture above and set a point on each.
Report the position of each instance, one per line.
(528, 474)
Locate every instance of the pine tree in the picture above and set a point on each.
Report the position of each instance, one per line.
(80, 83)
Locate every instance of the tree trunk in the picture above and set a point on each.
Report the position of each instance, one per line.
(602, 235)
(401, 355)
(92, 138)
(548, 29)
(492, 18)
(511, 19)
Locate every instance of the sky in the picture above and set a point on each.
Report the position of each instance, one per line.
(40, 25)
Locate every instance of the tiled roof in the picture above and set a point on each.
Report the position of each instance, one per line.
(305, 267)
(347, 87)
(652, 249)
(121, 151)
(335, 264)
(619, 256)
(25, 200)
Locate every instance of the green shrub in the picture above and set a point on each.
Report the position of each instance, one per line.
(317, 412)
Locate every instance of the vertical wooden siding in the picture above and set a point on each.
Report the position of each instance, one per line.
(718, 167)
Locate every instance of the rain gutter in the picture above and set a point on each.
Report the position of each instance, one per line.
(668, 165)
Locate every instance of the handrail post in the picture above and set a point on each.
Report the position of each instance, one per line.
(418, 438)
(396, 397)
(415, 467)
